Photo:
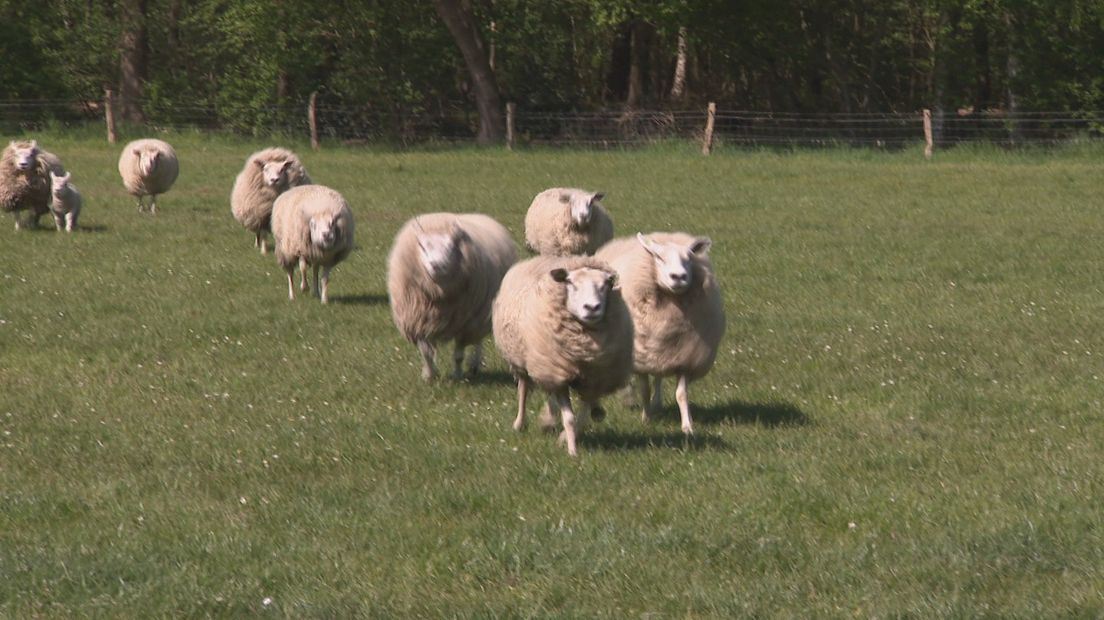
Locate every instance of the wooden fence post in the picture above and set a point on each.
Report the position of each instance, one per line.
(707, 138)
(312, 119)
(109, 115)
(927, 134)
(511, 112)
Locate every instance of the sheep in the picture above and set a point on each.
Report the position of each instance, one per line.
(564, 221)
(443, 273)
(65, 202)
(668, 283)
(148, 167)
(312, 225)
(561, 323)
(24, 181)
(266, 175)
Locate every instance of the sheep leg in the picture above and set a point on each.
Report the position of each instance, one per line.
(682, 395)
(70, 221)
(657, 396)
(458, 361)
(567, 416)
(547, 419)
(18, 220)
(153, 204)
(303, 286)
(523, 396)
(645, 397)
(59, 222)
(429, 368)
(475, 360)
(141, 204)
(291, 282)
(325, 284)
(314, 279)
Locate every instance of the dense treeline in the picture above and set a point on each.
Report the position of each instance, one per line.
(404, 59)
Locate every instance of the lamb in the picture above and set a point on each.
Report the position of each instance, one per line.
(266, 175)
(65, 202)
(443, 273)
(561, 324)
(149, 167)
(564, 221)
(24, 181)
(675, 302)
(312, 225)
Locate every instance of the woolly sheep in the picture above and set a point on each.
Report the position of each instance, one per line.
(25, 181)
(564, 221)
(312, 225)
(668, 283)
(149, 167)
(561, 324)
(443, 273)
(65, 202)
(266, 175)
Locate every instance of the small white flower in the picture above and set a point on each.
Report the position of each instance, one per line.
(852, 525)
(266, 601)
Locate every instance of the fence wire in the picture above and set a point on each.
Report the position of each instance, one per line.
(597, 129)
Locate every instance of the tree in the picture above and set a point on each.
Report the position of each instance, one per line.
(133, 67)
(460, 22)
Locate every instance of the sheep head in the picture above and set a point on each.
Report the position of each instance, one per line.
(24, 154)
(148, 159)
(274, 172)
(324, 231)
(674, 262)
(588, 290)
(58, 183)
(581, 205)
(440, 252)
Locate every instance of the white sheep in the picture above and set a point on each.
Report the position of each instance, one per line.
(312, 225)
(25, 181)
(149, 167)
(443, 273)
(65, 202)
(564, 221)
(667, 281)
(561, 324)
(266, 175)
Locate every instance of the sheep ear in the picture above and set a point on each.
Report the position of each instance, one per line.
(565, 198)
(701, 245)
(34, 144)
(65, 177)
(613, 281)
(137, 152)
(648, 244)
(559, 275)
(258, 163)
(597, 196)
(287, 164)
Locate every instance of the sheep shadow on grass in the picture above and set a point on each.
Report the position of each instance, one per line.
(769, 415)
(370, 299)
(609, 440)
(491, 377)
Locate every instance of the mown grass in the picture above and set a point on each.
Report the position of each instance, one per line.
(904, 420)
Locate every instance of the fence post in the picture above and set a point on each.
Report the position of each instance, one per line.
(927, 134)
(707, 138)
(511, 112)
(109, 115)
(312, 119)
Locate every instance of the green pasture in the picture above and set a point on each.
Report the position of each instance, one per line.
(905, 417)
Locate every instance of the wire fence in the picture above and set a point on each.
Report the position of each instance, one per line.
(597, 129)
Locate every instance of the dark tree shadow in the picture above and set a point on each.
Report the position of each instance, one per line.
(770, 415)
(360, 300)
(603, 439)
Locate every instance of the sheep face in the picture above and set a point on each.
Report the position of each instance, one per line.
(440, 253)
(674, 263)
(147, 160)
(25, 154)
(57, 184)
(274, 173)
(323, 231)
(587, 292)
(581, 206)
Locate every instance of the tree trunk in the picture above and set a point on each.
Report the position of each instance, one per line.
(134, 47)
(636, 72)
(1012, 70)
(678, 82)
(461, 24)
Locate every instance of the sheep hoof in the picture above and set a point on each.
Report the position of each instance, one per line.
(688, 430)
(428, 375)
(597, 414)
(519, 425)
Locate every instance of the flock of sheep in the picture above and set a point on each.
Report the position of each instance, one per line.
(586, 314)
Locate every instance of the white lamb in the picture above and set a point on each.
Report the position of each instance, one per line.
(443, 273)
(312, 225)
(565, 221)
(668, 283)
(266, 175)
(65, 202)
(149, 167)
(561, 324)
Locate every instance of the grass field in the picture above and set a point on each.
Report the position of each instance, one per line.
(905, 418)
